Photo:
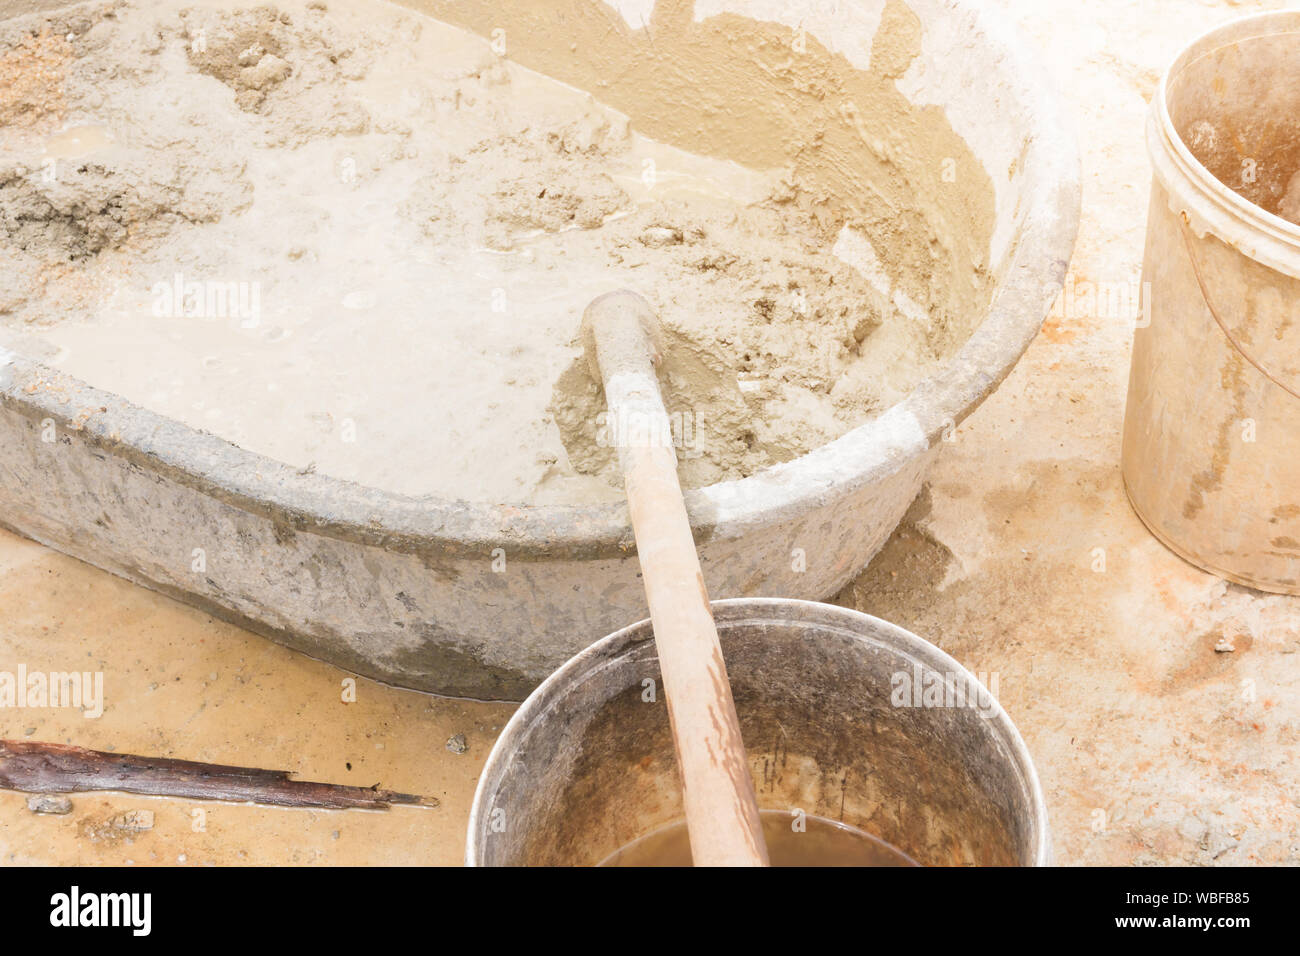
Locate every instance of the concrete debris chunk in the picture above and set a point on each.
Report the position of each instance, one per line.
(52, 803)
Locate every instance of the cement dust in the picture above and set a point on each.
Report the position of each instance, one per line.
(357, 240)
(822, 843)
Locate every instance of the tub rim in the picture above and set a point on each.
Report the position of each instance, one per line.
(1033, 274)
(738, 611)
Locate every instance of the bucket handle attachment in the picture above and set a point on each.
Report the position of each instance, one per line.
(1223, 326)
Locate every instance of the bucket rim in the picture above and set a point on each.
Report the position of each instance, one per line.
(1221, 210)
(735, 612)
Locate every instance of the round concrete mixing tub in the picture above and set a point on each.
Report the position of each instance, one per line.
(844, 716)
(485, 600)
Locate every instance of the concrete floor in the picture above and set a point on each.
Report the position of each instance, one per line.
(1152, 746)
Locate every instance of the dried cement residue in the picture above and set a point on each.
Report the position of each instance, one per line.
(360, 241)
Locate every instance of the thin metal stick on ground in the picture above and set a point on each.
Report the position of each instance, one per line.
(61, 768)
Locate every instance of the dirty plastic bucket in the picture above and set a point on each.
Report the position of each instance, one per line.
(844, 716)
(1211, 456)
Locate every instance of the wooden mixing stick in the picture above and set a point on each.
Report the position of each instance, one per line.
(621, 335)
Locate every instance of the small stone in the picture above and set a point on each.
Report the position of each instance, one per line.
(457, 744)
(49, 803)
(659, 236)
(1233, 628)
(269, 70)
(252, 55)
(133, 821)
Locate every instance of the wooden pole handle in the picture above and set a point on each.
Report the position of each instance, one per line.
(717, 791)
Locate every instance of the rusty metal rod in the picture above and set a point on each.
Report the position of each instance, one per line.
(34, 767)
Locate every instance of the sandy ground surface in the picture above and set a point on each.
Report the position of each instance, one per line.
(1152, 747)
(177, 683)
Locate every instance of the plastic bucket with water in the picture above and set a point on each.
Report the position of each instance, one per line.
(1211, 453)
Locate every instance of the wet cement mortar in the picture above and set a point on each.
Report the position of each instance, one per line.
(398, 182)
(1153, 746)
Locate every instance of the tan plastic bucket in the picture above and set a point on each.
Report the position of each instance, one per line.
(1211, 453)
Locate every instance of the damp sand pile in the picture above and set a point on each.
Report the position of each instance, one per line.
(359, 241)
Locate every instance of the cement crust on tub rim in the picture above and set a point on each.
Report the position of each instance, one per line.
(442, 533)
